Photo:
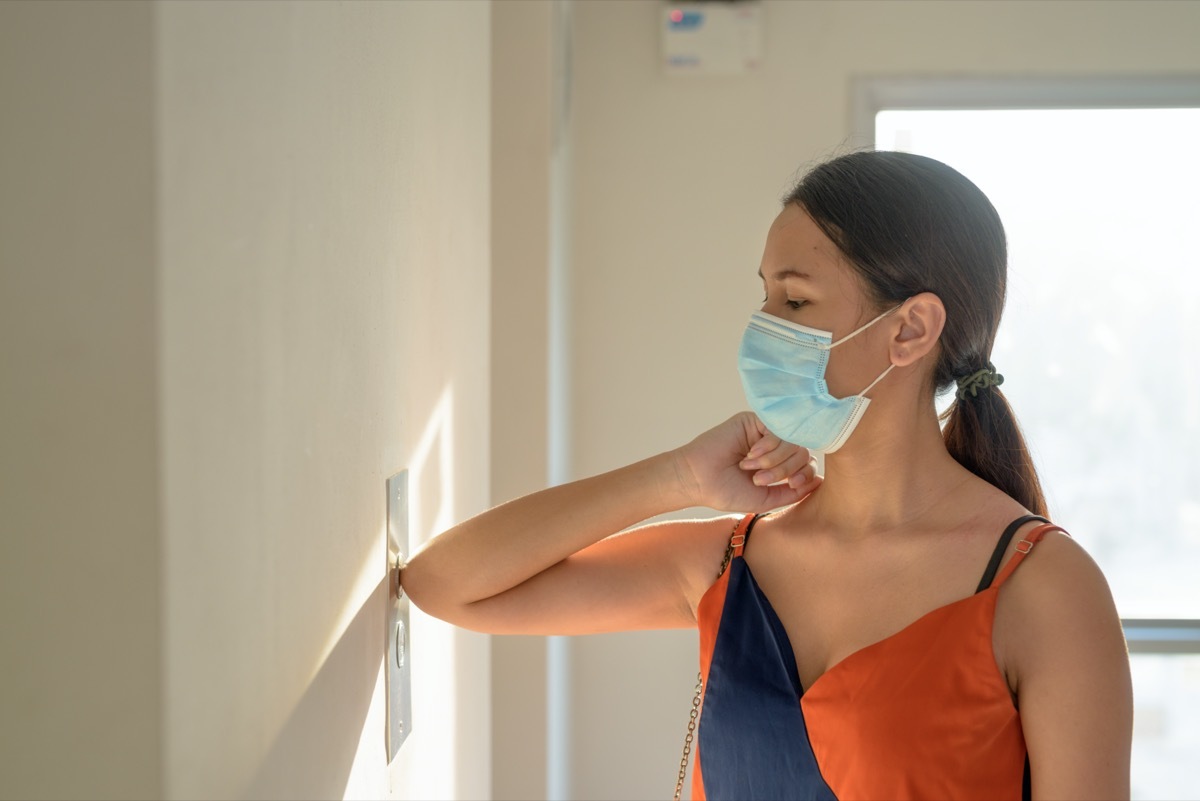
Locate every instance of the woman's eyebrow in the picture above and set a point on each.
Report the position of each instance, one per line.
(788, 273)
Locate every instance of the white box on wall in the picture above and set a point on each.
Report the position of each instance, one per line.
(712, 38)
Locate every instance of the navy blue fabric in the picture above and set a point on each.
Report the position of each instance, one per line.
(753, 742)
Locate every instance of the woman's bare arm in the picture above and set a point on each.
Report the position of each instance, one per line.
(548, 563)
(1072, 667)
(517, 567)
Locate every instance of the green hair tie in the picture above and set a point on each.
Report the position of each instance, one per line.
(980, 379)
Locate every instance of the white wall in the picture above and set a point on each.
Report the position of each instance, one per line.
(245, 246)
(676, 181)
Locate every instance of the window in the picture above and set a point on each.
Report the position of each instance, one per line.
(1098, 184)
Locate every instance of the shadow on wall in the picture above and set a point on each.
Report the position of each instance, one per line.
(313, 755)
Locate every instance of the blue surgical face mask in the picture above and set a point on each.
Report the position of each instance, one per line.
(783, 373)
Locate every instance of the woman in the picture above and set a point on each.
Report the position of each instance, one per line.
(873, 638)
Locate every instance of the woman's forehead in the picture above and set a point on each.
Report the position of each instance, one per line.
(797, 245)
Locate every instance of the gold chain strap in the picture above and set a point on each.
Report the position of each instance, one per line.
(695, 713)
(691, 729)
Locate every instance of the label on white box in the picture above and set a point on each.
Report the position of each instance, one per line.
(713, 38)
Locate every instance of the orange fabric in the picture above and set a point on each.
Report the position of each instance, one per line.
(924, 713)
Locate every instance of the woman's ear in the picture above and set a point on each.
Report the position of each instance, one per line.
(921, 318)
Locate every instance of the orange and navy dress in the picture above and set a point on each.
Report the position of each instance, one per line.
(922, 714)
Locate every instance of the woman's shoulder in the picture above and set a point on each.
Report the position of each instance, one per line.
(1055, 611)
(1057, 575)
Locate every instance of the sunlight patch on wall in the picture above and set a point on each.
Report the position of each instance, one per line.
(431, 474)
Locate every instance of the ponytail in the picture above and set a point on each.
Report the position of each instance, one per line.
(982, 434)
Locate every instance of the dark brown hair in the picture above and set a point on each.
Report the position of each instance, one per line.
(911, 224)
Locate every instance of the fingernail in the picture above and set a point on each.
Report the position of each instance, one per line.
(748, 464)
(760, 480)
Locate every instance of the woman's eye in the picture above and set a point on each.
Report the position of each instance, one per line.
(794, 305)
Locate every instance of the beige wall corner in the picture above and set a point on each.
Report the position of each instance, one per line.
(80, 600)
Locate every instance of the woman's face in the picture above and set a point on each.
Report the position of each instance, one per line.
(808, 281)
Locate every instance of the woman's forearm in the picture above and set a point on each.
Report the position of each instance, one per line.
(505, 546)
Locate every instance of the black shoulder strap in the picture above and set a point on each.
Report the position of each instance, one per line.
(750, 528)
(997, 555)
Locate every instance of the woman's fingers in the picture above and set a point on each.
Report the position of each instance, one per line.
(785, 494)
(767, 452)
(806, 479)
(793, 461)
(766, 444)
(779, 460)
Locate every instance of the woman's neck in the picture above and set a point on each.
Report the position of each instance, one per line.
(892, 470)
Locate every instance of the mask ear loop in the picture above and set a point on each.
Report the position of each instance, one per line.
(860, 329)
(877, 380)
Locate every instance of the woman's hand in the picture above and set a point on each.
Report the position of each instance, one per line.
(740, 466)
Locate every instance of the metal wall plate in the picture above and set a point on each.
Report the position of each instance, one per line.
(398, 656)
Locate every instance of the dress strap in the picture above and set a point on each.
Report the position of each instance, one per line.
(740, 534)
(1001, 546)
(1023, 548)
(737, 542)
